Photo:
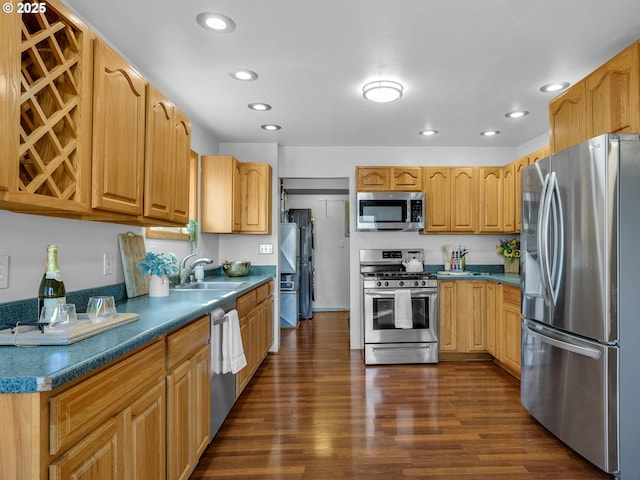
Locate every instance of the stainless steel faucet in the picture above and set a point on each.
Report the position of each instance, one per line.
(184, 271)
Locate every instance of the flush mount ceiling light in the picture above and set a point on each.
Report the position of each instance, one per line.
(382, 91)
(428, 133)
(216, 22)
(516, 114)
(271, 128)
(490, 133)
(243, 74)
(260, 107)
(554, 87)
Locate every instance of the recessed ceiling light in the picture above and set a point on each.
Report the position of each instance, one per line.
(261, 107)
(554, 87)
(243, 74)
(271, 128)
(216, 22)
(490, 133)
(428, 133)
(382, 91)
(516, 114)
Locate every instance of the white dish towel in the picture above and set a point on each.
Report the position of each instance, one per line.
(233, 359)
(403, 309)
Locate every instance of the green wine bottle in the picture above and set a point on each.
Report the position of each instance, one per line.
(51, 291)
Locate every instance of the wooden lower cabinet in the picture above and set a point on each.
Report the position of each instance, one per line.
(503, 325)
(188, 397)
(480, 317)
(255, 309)
(511, 330)
(100, 456)
(145, 416)
(462, 317)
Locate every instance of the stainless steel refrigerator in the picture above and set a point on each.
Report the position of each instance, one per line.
(580, 371)
(289, 274)
(303, 217)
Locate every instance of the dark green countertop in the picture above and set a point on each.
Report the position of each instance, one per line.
(506, 278)
(33, 369)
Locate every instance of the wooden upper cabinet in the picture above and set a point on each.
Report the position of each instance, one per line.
(220, 194)
(568, 118)
(613, 92)
(464, 200)
(518, 166)
(491, 206)
(539, 154)
(255, 182)
(167, 153)
(236, 196)
(181, 205)
(408, 179)
(606, 101)
(437, 187)
(373, 179)
(159, 163)
(119, 133)
(45, 111)
(509, 201)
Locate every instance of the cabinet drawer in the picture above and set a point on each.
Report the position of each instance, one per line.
(80, 409)
(511, 295)
(188, 339)
(245, 303)
(262, 292)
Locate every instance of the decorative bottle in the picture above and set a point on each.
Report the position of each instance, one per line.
(51, 291)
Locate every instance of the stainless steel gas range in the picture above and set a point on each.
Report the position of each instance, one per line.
(399, 308)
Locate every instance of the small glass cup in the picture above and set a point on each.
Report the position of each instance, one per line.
(58, 314)
(101, 308)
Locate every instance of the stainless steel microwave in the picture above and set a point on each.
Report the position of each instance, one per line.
(402, 211)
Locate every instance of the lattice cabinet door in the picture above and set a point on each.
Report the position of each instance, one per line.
(45, 110)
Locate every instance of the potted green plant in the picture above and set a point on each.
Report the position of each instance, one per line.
(510, 250)
(193, 229)
(159, 266)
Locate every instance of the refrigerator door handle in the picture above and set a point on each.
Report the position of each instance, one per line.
(570, 347)
(543, 237)
(558, 243)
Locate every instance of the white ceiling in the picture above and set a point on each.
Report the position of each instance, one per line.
(464, 63)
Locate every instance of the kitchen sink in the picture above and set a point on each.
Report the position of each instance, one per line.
(217, 286)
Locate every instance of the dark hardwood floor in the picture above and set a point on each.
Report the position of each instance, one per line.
(313, 411)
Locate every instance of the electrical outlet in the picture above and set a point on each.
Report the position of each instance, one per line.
(266, 248)
(4, 271)
(107, 264)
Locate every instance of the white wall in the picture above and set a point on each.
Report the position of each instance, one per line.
(331, 249)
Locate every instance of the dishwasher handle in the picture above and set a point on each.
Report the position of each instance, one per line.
(218, 316)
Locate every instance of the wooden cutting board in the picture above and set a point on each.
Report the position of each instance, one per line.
(132, 251)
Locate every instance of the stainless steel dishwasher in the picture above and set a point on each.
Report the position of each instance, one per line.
(223, 385)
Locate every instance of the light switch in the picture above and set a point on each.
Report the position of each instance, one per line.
(266, 249)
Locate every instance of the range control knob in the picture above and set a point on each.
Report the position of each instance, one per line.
(415, 284)
(401, 283)
(424, 283)
(386, 284)
(378, 284)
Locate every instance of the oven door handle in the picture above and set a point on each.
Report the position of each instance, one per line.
(389, 294)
